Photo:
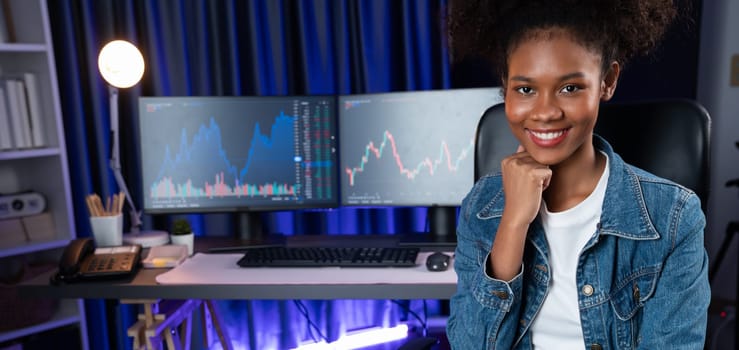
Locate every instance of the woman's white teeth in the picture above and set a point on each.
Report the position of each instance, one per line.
(549, 135)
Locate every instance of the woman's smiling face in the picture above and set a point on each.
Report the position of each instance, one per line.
(552, 93)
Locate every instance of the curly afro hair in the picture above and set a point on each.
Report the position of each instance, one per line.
(618, 29)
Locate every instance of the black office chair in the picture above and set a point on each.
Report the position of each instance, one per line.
(669, 138)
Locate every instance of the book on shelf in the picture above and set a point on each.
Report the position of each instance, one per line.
(16, 117)
(20, 87)
(6, 143)
(35, 112)
(24, 112)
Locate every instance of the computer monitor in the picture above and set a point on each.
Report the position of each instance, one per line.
(411, 149)
(237, 154)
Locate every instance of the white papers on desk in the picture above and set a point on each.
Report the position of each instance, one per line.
(222, 269)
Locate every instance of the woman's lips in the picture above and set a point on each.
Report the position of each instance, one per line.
(547, 138)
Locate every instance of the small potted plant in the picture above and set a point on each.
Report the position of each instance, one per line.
(182, 234)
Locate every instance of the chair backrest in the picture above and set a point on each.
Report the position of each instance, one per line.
(669, 138)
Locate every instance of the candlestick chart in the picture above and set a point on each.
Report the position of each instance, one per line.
(237, 153)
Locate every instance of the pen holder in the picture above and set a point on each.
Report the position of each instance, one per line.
(107, 230)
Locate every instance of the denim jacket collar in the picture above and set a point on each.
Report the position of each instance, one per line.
(623, 219)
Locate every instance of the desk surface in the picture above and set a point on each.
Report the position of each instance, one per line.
(144, 285)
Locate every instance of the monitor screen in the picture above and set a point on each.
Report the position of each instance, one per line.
(219, 154)
(409, 148)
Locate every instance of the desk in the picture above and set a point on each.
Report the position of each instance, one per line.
(401, 283)
(144, 285)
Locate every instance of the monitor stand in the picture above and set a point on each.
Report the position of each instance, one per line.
(442, 223)
(250, 233)
(442, 233)
(249, 226)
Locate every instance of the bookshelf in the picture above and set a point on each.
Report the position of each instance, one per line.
(37, 166)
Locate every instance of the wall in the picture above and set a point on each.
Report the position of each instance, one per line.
(719, 41)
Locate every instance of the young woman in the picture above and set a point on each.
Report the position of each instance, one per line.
(569, 247)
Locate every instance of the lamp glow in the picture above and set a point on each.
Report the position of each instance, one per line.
(121, 64)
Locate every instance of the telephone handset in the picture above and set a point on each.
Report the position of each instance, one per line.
(82, 261)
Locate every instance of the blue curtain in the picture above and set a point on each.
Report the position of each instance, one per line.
(245, 48)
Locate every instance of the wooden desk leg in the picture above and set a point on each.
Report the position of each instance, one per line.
(149, 314)
(173, 342)
(170, 321)
(186, 331)
(137, 332)
(154, 342)
(145, 320)
(173, 315)
(219, 325)
(205, 325)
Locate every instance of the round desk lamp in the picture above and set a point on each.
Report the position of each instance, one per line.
(122, 66)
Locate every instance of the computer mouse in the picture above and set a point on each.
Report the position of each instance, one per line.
(437, 261)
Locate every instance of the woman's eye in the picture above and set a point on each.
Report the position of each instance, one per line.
(570, 89)
(524, 90)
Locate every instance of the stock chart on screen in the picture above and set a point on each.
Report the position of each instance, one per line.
(409, 148)
(237, 153)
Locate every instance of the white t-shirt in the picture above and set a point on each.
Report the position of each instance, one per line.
(557, 324)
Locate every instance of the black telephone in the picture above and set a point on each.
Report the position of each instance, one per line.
(82, 261)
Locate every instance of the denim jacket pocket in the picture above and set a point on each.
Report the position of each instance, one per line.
(631, 292)
(627, 301)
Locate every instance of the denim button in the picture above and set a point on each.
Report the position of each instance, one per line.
(587, 290)
(596, 346)
(637, 294)
(500, 294)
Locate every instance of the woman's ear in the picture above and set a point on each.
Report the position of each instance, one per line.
(610, 80)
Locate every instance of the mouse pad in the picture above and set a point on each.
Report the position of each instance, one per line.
(222, 269)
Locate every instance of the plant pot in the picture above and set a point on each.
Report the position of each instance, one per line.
(186, 240)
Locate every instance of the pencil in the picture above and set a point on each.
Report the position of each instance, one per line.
(121, 200)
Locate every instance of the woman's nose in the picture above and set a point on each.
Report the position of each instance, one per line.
(546, 109)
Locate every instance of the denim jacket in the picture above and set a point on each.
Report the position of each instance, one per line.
(642, 277)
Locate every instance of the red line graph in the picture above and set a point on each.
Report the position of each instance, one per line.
(410, 173)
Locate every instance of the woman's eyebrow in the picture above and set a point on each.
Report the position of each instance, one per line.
(572, 76)
(568, 76)
(521, 78)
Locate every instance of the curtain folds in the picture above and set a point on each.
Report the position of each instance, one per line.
(245, 48)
